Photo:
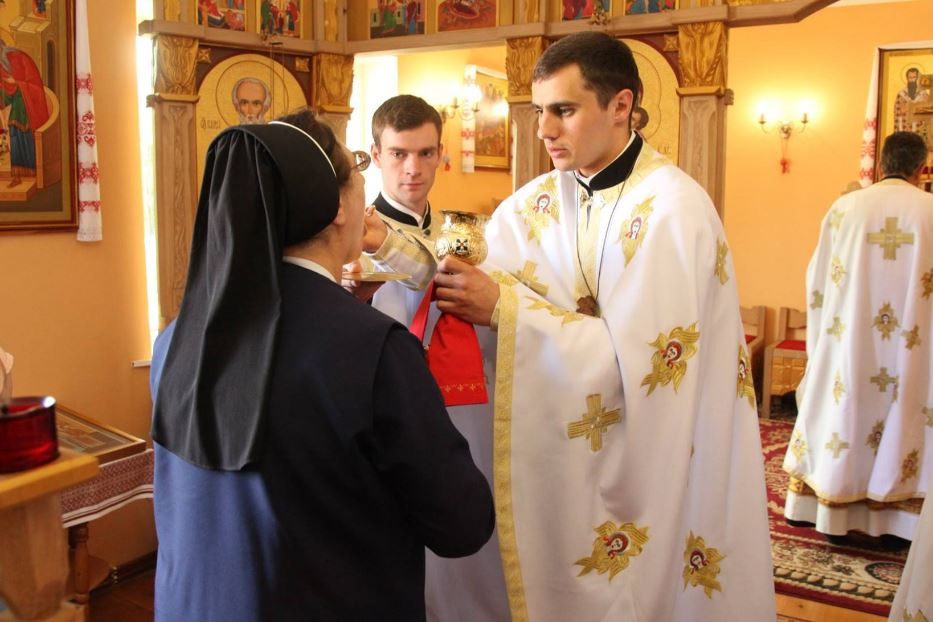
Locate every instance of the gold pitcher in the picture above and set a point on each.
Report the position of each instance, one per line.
(463, 235)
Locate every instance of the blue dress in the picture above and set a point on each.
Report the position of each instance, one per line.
(361, 469)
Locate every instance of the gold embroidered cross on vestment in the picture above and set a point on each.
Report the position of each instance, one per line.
(882, 379)
(890, 238)
(836, 445)
(596, 420)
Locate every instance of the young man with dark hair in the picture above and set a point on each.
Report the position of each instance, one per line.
(624, 442)
(860, 428)
(407, 149)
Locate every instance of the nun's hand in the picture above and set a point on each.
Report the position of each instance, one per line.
(363, 290)
(465, 291)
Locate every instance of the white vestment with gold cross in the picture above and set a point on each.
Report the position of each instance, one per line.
(627, 464)
(861, 453)
(914, 599)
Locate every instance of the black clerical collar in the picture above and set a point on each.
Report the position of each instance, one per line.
(617, 171)
(887, 177)
(388, 210)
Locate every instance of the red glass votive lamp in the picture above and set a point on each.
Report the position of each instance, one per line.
(28, 436)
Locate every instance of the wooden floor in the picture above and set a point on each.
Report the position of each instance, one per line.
(131, 601)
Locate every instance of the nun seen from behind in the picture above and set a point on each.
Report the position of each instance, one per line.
(304, 457)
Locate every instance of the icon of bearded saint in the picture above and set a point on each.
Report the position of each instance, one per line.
(669, 361)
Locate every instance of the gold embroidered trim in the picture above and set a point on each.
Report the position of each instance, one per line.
(502, 453)
(907, 501)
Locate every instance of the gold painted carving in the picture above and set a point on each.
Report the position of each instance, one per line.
(670, 44)
(302, 64)
(521, 55)
(176, 59)
(204, 56)
(703, 49)
(332, 79)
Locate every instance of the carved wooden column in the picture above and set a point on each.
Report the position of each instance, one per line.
(702, 48)
(331, 82)
(174, 103)
(531, 158)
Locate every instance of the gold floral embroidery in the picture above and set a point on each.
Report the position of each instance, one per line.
(886, 322)
(635, 228)
(722, 251)
(882, 380)
(542, 207)
(836, 445)
(745, 386)
(911, 337)
(701, 565)
(614, 548)
(798, 446)
(566, 316)
(669, 361)
(835, 218)
(874, 438)
(817, 302)
(836, 329)
(595, 422)
(838, 388)
(837, 271)
(927, 281)
(910, 465)
(917, 617)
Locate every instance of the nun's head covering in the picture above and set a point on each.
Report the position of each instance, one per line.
(265, 187)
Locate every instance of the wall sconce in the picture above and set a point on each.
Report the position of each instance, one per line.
(785, 129)
(466, 104)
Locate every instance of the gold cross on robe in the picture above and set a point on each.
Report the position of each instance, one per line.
(527, 276)
(883, 379)
(594, 423)
(836, 445)
(890, 238)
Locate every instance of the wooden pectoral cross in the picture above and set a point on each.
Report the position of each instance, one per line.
(587, 305)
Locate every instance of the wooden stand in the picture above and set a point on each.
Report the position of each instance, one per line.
(33, 550)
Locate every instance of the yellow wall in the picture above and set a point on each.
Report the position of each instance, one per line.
(74, 314)
(772, 220)
(435, 76)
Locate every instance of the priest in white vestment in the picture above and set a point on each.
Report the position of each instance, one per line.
(914, 599)
(861, 452)
(627, 465)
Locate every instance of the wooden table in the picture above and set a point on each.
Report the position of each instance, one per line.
(125, 476)
(33, 550)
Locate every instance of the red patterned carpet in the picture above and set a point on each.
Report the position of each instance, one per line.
(863, 576)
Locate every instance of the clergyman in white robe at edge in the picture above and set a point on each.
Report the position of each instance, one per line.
(626, 459)
(861, 452)
(914, 599)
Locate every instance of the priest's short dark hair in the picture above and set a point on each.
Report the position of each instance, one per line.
(903, 153)
(606, 64)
